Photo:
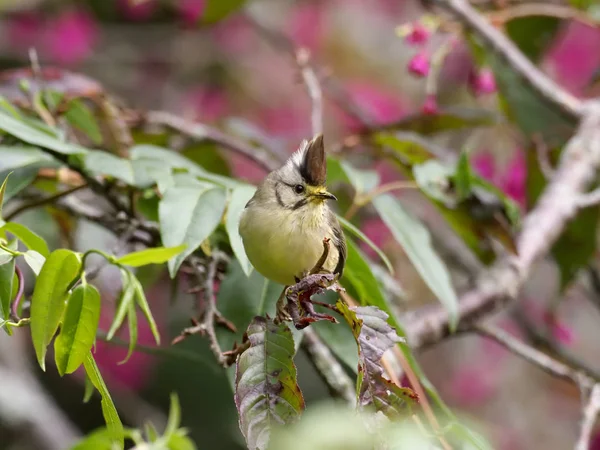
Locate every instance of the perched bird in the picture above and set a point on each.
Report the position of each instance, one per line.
(285, 222)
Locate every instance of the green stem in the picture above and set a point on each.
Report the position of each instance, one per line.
(81, 274)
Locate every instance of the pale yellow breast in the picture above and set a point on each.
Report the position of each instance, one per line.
(282, 244)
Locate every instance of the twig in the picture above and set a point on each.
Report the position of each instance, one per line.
(590, 413)
(539, 81)
(311, 81)
(202, 132)
(540, 9)
(589, 199)
(43, 201)
(543, 361)
(333, 374)
(362, 200)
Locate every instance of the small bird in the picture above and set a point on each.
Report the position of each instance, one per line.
(284, 224)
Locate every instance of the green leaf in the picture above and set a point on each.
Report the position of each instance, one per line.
(463, 176)
(34, 260)
(533, 34)
(31, 240)
(49, 296)
(80, 117)
(362, 181)
(99, 439)
(374, 337)
(157, 255)
(126, 306)
(363, 237)
(266, 388)
(189, 216)
(239, 198)
(18, 156)
(416, 242)
(174, 416)
(216, 10)
(32, 135)
(2, 191)
(433, 179)
(89, 389)
(7, 275)
(78, 330)
(178, 441)
(142, 302)
(111, 417)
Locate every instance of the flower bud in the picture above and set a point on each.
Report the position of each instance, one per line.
(418, 34)
(419, 65)
(430, 106)
(482, 83)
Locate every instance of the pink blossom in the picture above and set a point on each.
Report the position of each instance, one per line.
(575, 56)
(472, 386)
(23, 30)
(246, 170)
(234, 35)
(380, 105)
(540, 316)
(375, 230)
(137, 10)
(191, 10)
(306, 25)
(284, 121)
(208, 104)
(419, 65)
(484, 165)
(71, 36)
(430, 106)
(513, 182)
(482, 82)
(418, 35)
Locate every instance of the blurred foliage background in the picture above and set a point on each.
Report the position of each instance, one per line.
(234, 74)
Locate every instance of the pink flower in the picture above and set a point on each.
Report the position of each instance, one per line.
(482, 83)
(575, 56)
(208, 105)
(418, 35)
(484, 165)
(514, 179)
(70, 37)
(419, 65)
(375, 230)
(191, 10)
(430, 106)
(138, 10)
(244, 169)
(472, 386)
(23, 30)
(284, 121)
(234, 35)
(379, 105)
(306, 25)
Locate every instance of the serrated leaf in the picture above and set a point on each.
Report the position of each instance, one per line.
(78, 330)
(416, 242)
(31, 240)
(32, 135)
(189, 216)
(363, 237)
(111, 417)
(239, 198)
(374, 337)
(80, 117)
(34, 260)
(216, 10)
(142, 302)
(266, 389)
(49, 296)
(157, 255)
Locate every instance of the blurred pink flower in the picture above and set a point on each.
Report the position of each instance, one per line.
(137, 10)
(70, 37)
(23, 30)
(305, 25)
(419, 65)
(482, 82)
(472, 386)
(375, 230)
(575, 56)
(418, 35)
(484, 165)
(243, 168)
(512, 181)
(208, 105)
(379, 105)
(544, 318)
(191, 10)
(595, 441)
(284, 121)
(234, 35)
(430, 106)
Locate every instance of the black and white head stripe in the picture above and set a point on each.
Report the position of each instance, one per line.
(309, 160)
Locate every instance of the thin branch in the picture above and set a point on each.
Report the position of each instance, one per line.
(311, 81)
(43, 201)
(202, 132)
(545, 362)
(502, 45)
(590, 414)
(589, 199)
(558, 204)
(332, 372)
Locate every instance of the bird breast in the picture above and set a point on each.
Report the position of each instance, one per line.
(283, 244)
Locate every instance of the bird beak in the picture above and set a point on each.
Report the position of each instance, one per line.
(325, 195)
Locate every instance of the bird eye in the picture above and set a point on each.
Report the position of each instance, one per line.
(299, 189)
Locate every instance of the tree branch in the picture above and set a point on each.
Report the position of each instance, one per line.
(590, 413)
(502, 45)
(557, 205)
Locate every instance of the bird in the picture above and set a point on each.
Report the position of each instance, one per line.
(284, 224)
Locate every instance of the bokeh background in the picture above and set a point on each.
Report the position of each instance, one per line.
(153, 54)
